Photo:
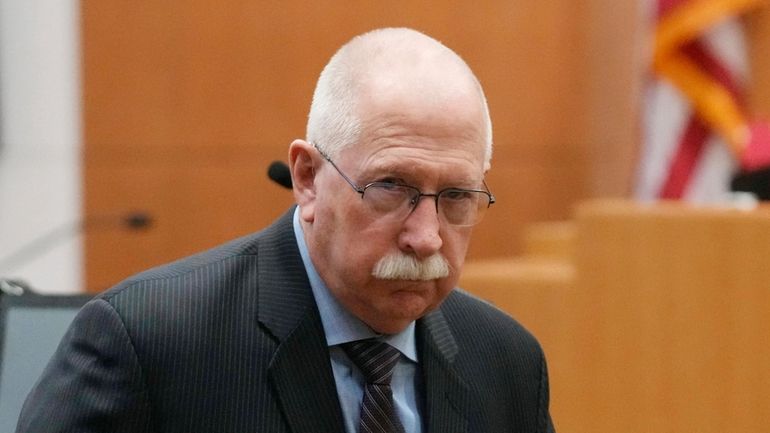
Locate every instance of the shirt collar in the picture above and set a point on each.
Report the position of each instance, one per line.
(340, 326)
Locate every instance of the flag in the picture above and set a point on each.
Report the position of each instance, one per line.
(697, 132)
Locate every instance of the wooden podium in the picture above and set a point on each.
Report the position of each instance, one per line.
(654, 318)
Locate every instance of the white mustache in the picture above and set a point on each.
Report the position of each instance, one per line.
(400, 266)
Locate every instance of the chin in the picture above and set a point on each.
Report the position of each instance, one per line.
(401, 302)
(393, 324)
(406, 306)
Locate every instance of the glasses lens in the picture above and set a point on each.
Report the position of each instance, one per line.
(458, 207)
(388, 198)
(462, 207)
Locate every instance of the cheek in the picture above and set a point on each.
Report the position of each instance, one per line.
(367, 243)
(357, 242)
(456, 242)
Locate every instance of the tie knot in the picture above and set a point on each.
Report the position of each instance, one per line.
(375, 359)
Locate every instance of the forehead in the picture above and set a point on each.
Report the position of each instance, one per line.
(418, 160)
(421, 129)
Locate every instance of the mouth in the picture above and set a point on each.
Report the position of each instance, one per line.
(416, 287)
(408, 279)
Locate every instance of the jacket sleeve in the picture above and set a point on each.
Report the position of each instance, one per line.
(93, 383)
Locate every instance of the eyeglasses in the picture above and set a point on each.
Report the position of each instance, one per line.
(457, 206)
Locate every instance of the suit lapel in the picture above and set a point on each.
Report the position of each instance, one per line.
(300, 370)
(303, 380)
(449, 402)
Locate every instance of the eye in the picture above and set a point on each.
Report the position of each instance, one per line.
(389, 183)
(457, 194)
(391, 180)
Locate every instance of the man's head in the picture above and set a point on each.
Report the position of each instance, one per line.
(396, 108)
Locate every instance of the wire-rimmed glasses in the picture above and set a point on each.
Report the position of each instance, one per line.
(457, 206)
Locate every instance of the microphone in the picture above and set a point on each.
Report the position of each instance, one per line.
(135, 220)
(753, 181)
(279, 173)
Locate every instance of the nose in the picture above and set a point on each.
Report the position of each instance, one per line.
(420, 234)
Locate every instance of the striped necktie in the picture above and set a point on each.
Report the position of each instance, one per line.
(376, 361)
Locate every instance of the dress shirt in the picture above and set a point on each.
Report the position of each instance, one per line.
(340, 326)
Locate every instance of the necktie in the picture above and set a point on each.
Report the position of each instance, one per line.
(376, 361)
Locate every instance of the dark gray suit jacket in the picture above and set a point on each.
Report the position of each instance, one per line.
(231, 340)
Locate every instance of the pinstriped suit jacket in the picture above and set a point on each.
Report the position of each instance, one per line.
(231, 340)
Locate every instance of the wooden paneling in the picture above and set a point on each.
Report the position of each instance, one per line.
(673, 313)
(657, 323)
(186, 103)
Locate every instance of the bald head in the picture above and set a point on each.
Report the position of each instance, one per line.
(387, 67)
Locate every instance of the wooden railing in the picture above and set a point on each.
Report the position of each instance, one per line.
(654, 318)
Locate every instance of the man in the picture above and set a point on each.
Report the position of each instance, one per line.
(276, 332)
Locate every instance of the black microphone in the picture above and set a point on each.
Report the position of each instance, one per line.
(279, 173)
(135, 220)
(754, 181)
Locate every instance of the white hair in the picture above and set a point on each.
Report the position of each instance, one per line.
(401, 266)
(333, 122)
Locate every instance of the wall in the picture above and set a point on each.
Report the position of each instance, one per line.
(185, 105)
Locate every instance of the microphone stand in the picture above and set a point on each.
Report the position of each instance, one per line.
(59, 234)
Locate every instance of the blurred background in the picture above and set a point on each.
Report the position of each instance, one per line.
(135, 133)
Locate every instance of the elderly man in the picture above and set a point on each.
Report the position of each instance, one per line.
(343, 315)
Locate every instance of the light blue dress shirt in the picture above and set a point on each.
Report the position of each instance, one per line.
(340, 326)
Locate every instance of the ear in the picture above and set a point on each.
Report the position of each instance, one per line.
(302, 164)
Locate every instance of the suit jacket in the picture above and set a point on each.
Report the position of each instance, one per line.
(231, 340)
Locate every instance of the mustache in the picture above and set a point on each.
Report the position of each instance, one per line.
(400, 266)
